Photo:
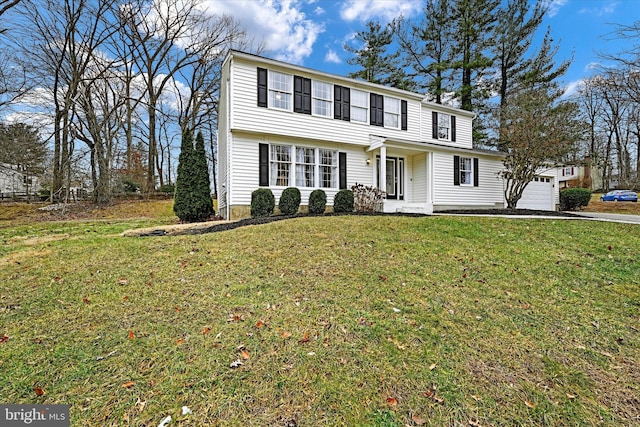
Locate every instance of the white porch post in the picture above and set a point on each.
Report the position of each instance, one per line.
(383, 169)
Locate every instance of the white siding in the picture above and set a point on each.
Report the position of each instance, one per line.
(464, 128)
(246, 164)
(247, 116)
(488, 192)
(223, 136)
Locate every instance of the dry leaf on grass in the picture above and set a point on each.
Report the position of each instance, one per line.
(433, 366)
(131, 335)
(180, 341)
(39, 391)
(530, 404)
(206, 330)
(129, 384)
(305, 338)
(418, 420)
(392, 401)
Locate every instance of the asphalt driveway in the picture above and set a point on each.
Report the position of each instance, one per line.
(627, 219)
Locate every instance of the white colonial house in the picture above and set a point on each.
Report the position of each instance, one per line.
(282, 125)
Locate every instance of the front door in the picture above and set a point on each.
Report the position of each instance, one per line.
(394, 180)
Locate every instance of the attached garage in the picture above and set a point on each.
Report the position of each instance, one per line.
(540, 194)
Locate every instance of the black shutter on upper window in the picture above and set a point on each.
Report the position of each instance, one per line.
(342, 103)
(262, 87)
(475, 172)
(453, 128)
(434, 125)
(301, 95)
(376, 114)
(342, 170)
(403, 115)
(456, 170)
(264, 165)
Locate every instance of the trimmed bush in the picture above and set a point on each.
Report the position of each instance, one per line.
(343, 201)
(317, 202)
(262, 202)
(573, 199)
(289, 201)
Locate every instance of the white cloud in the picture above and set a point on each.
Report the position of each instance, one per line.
(332, 57)
(319, 11)
(573, 88)
(555, 6)
(281, 24)
(385, 10)
(601, 10)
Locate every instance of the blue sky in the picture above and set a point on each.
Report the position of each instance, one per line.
(312, 33)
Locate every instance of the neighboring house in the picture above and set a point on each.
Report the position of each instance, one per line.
(282, 125)
(14, 181)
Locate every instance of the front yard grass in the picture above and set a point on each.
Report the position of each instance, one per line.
(344, 320)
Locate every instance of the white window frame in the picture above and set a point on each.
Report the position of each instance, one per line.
(464, 172)
(391, 112)
(331, 168)
(280, 91)
(303, 167)
(321, 98)
(280, 165)
(355, 107)
(444, 126)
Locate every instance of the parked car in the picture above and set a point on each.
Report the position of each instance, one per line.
(619, 196)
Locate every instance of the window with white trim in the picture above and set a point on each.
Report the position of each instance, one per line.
(280, 90)
(328, 168)
(391, 112)
(359, 106)
(444, 126)
(322, 95)
(466, 171)
(280, 165)
(305, 167)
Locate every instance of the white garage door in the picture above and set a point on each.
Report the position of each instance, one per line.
(538, 195)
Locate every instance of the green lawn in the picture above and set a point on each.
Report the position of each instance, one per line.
(348, 320)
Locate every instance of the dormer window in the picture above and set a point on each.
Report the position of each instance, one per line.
(443, 126)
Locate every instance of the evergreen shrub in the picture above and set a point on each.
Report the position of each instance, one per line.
(289, 201)
(573, 199)
(343, 201)
(262, 202)
(317, 202)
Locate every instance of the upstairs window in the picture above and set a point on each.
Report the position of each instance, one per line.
(443, 126)
(444, 123)
(280, 90)
(391, 112)
(322, 98)
(359, 106)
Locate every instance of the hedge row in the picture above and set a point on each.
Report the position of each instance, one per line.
(263, 202)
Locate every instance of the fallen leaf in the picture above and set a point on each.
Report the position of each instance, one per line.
(180, 341)
(129, 384)
(383, 278)
(474, 423)
(140, 405)
(530, 404)
(392, 401)
(571, 396)
(260, 324)
(433, 366)
(235, 364)
(131, 335)
(165, 421)
(476, 397)
(206, 330)
(86, 300)
(39, 391)
(245, 354)
(305, 338)
(4, 338)
(125, 298)
(186, 411)
(177, 308)
(122, 281)
(418, 420)
(609, 247)
(285, 334)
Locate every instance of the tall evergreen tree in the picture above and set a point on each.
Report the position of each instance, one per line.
(427, 47)
(192, 197)
(376, 64)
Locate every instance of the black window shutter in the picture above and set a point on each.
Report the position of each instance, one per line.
(297, 94)
(342, 170)
(306, 96)
(346, 104)
(475, 172)
(434, 125)
(264, 165)
(301, 95)
(337, 102)
(376, 109)
(262, 87)
(453, 128)
(403, 115)
(372, 109)
(456, 170)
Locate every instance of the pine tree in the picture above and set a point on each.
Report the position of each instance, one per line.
(192, 198)
(378, 66)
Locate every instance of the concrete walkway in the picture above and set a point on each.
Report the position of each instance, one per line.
(610, 217)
